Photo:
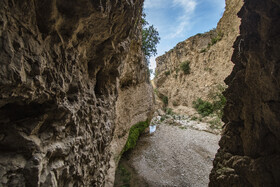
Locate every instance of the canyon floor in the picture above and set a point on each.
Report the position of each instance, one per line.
(179, 153)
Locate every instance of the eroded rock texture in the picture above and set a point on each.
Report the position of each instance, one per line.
(65, 72)
(249, 153)
(209, 57)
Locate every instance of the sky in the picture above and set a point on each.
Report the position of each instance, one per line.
(177, 20)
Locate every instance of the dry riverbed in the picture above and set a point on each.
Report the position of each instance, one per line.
(178, 153)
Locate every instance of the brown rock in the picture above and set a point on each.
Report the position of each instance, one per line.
(208, 55)
(250, 144)
(67, 89)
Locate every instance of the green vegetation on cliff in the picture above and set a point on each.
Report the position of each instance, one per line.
(150, 38)
(205, 108)
(185, 67)
(134, 134)
(123, 176)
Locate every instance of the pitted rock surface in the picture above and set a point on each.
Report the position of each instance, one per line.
(64, 70)
(210, 63)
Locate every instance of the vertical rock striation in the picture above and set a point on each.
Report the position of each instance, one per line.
(249, 153)
(208, 55)
(66, 89)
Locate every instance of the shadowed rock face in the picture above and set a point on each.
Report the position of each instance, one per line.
(249, 153)
(66, 68)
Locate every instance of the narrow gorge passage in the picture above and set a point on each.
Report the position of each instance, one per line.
(176, 154)
(188, 88)
(74, 82)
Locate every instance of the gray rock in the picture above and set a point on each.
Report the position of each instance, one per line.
(249, 153)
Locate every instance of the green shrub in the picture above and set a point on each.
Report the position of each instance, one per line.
(219, 104)
(203, 50)
(162, 118)
(167, 73)
(124, 176)
(134, 134)
(219, 100)
(194, 118)
(185, 67)
(156, 91)
(215, 123)
(165, 100)
(208, 69)
(216, 39)
(174, 103)
(169, 111)
(204, 108)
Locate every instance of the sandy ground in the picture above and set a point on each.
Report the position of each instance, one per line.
(172, 156)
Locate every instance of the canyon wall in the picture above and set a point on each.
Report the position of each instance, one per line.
(208, 56)
(73, 80)
(249, 153)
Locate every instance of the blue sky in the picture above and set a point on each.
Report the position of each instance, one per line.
(177, 20)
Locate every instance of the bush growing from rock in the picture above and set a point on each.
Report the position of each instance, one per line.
(134, 134)
(167, 73)
(169, 111)
(185, 67)
(165, 100)
(204, 108)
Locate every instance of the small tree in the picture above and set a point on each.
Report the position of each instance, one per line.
(150, 38)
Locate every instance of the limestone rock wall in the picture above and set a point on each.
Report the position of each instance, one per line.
(210, 63)
(66, 89)
(135, 103)
(249, 153)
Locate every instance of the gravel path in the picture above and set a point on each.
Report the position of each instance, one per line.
(173, 157)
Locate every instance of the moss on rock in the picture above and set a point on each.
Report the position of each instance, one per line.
(134, 134)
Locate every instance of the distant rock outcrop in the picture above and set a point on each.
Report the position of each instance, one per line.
(249, 153)
(208, 56)
(73, 80)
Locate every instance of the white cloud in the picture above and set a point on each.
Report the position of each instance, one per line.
(182, 23)
(175, 20)
(188, 7)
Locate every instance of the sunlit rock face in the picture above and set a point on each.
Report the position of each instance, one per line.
(66, 69)
(249, 153)
(209, 56)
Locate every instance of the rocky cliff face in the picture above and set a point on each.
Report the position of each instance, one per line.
(72, 82)
(208, 55)
(249, 153)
